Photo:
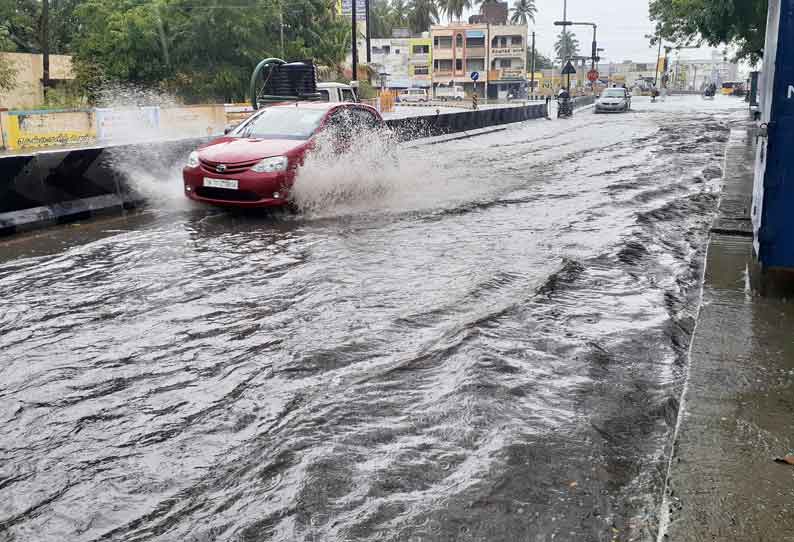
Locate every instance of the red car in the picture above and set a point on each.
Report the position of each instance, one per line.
(255, 164)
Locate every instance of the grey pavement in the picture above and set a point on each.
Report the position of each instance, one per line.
(724, 484)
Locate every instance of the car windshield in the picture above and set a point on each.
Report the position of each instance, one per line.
(614, 93)
(282, 123)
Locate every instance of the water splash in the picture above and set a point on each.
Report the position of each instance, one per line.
(380, 173)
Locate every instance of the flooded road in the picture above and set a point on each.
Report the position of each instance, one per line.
(493, 348)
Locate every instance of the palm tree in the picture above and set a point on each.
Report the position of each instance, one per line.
(380, 19)
(333, 44)
(523, 12)
(454, 9)
(567, 46)
(399, 14)
(422, 14)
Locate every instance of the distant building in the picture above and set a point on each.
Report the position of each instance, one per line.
(491, 13)
(459, 50)
(390, 60)
(697, 73)
(508, 60)
(687, 74)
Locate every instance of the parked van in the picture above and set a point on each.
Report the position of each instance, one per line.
(445, 93)
(413, 95)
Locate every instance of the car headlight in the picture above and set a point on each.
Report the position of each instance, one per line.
(192, 160)
(270, 165)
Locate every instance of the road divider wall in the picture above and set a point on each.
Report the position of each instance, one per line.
(41, 129)
(52, 186)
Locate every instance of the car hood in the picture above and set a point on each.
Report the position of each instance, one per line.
(237, 149)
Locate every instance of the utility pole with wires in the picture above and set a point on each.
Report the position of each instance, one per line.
(366, 19)
(658, 59)
(354, 76)
(45, 45)
(281, 25)
(532, 67)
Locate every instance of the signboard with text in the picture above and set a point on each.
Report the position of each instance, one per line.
(361, 9)
(508, 51)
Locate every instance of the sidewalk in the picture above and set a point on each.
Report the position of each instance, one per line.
(738, 409)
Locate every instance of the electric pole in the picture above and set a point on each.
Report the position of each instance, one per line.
(366, 16)
(354, 76)
(658, 59)
(45, 45)
(281, 24)
(532, 67)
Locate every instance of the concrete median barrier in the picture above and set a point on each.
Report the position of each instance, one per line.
(45, 188)
(450, 123)
(50, 187)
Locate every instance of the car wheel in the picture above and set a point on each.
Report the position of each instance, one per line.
(458, 99)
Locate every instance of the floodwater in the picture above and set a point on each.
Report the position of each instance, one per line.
(489, 346)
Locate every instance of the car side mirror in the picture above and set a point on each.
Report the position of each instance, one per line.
(227, 130)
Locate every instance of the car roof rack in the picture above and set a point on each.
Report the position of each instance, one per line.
(276, 80)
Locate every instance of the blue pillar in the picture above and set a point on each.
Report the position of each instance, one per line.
(773, 193)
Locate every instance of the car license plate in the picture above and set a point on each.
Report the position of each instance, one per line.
(230, 184)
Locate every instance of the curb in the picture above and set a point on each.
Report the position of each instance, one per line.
(65, 212)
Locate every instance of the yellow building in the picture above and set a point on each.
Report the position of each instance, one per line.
(420, 61)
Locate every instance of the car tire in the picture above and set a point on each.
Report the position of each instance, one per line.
(458, 99)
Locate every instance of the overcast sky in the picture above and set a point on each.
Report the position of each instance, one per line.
(622, 26)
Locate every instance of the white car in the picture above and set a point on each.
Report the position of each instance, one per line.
(413, 95)
(613, 100)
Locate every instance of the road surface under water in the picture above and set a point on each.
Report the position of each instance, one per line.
(487, 342)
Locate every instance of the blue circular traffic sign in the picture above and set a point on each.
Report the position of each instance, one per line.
(475, 76)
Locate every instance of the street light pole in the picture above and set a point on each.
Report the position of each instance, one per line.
(594, 52)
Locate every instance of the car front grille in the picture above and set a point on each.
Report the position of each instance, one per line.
(231, 169)
(224, 194)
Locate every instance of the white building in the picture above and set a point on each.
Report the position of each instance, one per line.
(696, 73)
(391, 57)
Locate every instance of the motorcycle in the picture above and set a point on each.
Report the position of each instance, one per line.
(564, 107)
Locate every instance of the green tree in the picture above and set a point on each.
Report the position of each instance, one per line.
(21, 25)
(8, 74)
(422, 14)
(738, 22)
(453, 9)
(523, 12)
(542, 62)
(399, 14)
(380, 19)
(566, 46)
(200, 50)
